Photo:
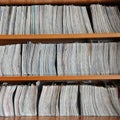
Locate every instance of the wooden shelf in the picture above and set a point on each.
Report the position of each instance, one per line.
(59, 118)
(55, 37)
(9, 2)
(58, 78)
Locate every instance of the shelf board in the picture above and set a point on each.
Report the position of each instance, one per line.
(58, 78)
(60, 36)
(59, 118)
(55, 37)
(56, 1)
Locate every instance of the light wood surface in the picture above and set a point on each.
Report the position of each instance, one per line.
(60, 36)
(55, 37)
(58, 78)
(59, 118)
(56, 1)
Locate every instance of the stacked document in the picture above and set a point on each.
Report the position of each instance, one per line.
(60, 59)
(88, 58)
(50, 19)
(106, 19)
(60, 99)
(18, 100)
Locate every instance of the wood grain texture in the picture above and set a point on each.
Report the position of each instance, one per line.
(60, 36)
(58, 78)
(55, 37)
(59, 118)
(56, 1)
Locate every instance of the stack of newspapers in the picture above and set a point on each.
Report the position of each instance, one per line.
(89, 57)
(54, 59)
(94, 57)
(18, 100)
(49, 19)
(55, 99)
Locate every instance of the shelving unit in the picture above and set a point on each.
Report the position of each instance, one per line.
(7, 39)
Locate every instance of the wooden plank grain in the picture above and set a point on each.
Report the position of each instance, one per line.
(9, 2)
(56, 38)
(60, 118)
(60, 36)
(58, 78)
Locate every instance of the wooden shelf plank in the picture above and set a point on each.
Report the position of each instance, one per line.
(60, 36)
(56, 1)
(59, 118)
(59, 78)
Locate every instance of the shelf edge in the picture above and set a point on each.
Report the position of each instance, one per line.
(61, 36)
(21, 2)
(59, 78)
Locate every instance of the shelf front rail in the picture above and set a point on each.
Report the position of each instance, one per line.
(59, 78)
(21, 2)
(56, 37)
